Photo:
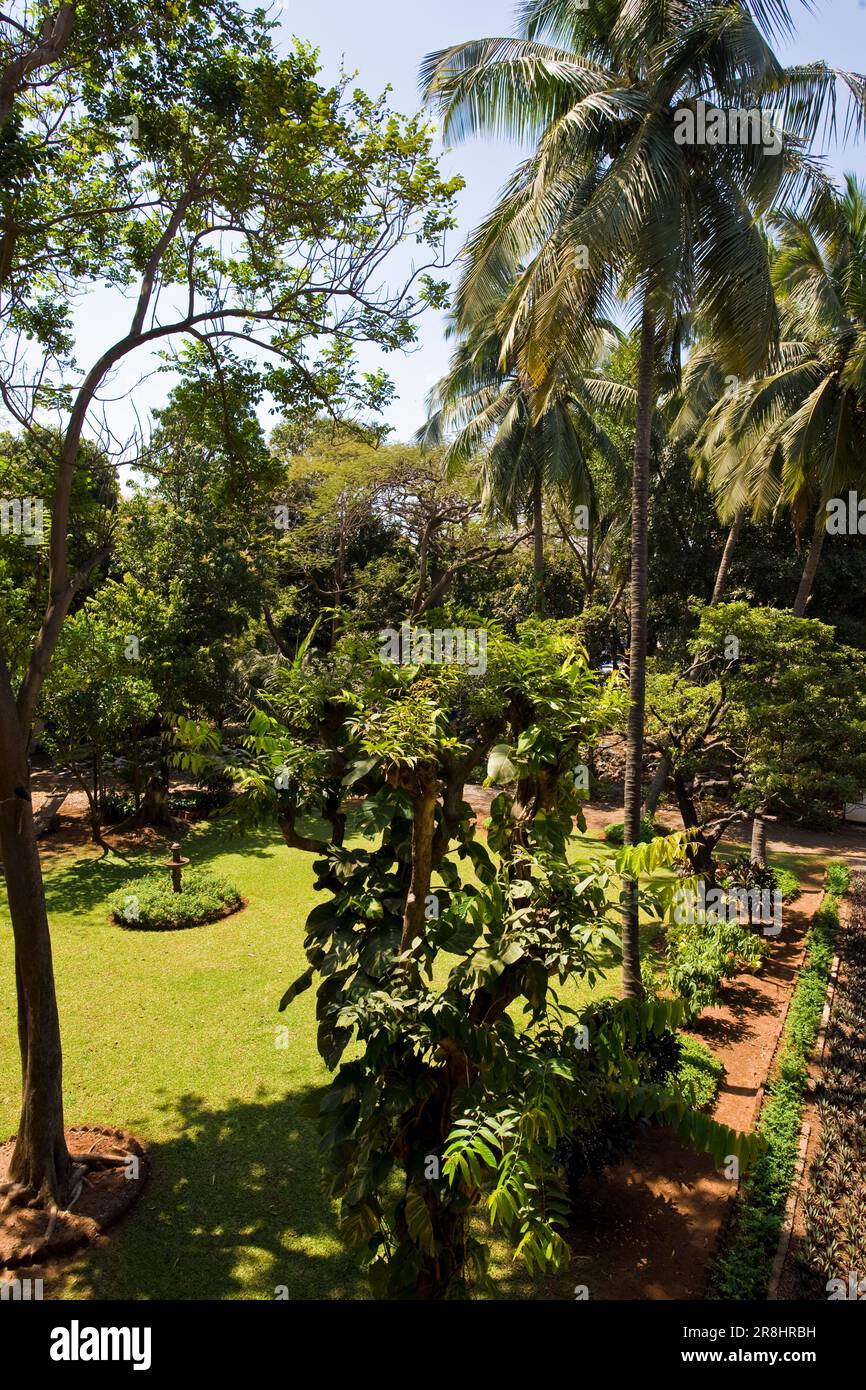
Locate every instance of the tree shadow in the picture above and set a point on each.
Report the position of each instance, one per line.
(234, 1208)
(84, 884)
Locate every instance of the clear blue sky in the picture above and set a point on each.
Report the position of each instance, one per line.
(384, 40)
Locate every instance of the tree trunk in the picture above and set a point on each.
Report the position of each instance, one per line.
(538, 541)
(423, 825)
(662, 772)
(758, 852)
(657, 786)
(727, 556)
(811, 566)
(40, 1166)
(631, 981)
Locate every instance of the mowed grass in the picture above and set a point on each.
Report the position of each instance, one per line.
(172, 1035)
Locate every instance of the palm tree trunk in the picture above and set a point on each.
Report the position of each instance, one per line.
(631, 981)
(727, 556)
(538, 541)
(758, 851)
(811, 566)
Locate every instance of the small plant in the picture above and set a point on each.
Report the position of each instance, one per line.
(115, 807)
(150, 903)
(700, 955)
(700, 1072)
(615, 832)
(837, 880)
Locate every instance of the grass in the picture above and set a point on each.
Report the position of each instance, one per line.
(173, 1037)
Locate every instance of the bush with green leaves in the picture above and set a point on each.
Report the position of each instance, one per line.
(438, 956)
(701, 954)
(615, 832)
(150, 903)
(837, 878)
(700, 1072)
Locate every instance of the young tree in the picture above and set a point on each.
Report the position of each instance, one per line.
(428, 940)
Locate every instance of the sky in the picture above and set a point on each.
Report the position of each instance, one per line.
(384, 41)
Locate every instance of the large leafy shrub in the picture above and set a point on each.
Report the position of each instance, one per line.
(701, 954)
(437, 955)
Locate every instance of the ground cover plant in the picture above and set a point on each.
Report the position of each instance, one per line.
(743, 1271)
(149, 903)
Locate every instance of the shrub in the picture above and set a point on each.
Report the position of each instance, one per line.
(150, 903)
(700, 1072)
(701, 954)
(114, 807)
(837, 879)
(787, 884)
(615, 832)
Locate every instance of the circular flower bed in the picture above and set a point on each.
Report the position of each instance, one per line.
(150, 903)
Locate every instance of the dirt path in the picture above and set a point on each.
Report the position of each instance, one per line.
(650, 1228)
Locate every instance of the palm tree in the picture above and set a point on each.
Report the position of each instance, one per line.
(611, 201)
(484, 408)
(793, 439)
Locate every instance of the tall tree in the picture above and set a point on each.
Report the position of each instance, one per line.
(792, 440)
(615, 199)
(238, 200)
(486, 411)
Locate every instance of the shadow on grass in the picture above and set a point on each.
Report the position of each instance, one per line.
(81, 885)
(234, 1208)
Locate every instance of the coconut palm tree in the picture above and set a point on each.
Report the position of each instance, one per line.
(793, 439)
(615, 200)
(484, 410)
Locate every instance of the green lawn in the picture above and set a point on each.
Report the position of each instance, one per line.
(173, 1036)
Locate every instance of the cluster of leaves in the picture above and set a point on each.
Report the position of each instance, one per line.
(743, 872)
(149, 903)
(701, 954)
(743, 1271)
(700, 1072)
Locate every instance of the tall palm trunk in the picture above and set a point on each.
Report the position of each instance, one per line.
(758, 851)
(811, 567)
(538, 541)
(727, 556)
(40, 1165)
(631, 981)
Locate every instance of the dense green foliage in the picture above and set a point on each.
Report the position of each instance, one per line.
(149, 902)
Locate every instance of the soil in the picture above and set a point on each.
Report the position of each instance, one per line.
(35, 1236)
(650, 1228)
